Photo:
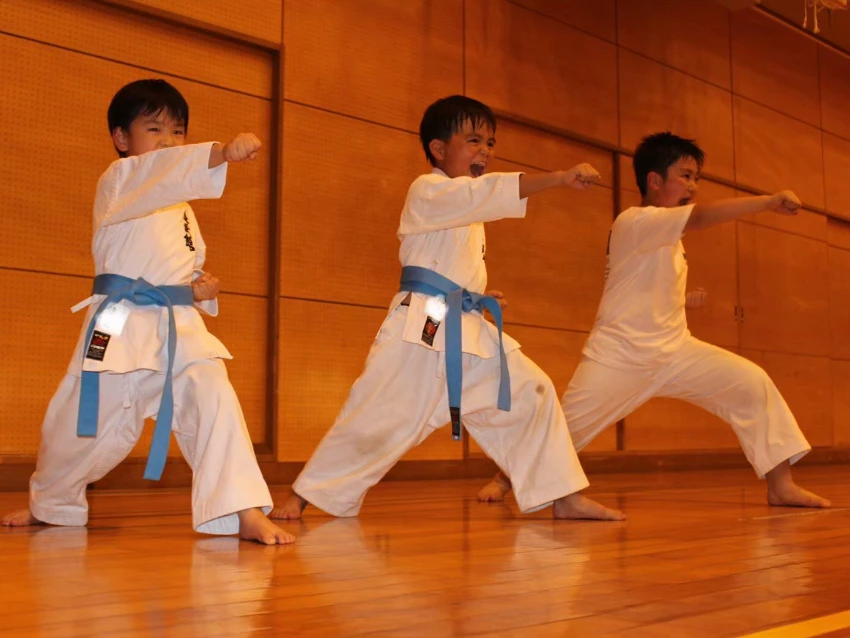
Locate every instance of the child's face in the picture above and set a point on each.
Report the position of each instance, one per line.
(467, 153)
(680, 186)
(150, 133)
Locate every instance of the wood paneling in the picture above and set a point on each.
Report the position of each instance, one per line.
(835, 91)
(655, 98)
(323, 351)
(806, 384)
(38, 338)
(713, 265)
(805, 223)
(784, 289)
(150, 44)
(551, 264)
(574, 89)
(836, 164)
(242, 327)
(841, 402)
(558, 353)
(838, 233)
(544, 151)
(839, 302)
(654, 28)
(598, 18)
(775, 66)
(670, 424)
(342, 206)
(257, 20)
(51, 177)
(774, 152)
(381, 60)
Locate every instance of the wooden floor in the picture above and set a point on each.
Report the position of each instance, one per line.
(701, 555)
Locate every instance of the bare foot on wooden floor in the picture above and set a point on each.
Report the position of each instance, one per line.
(576, 506)
(255, 526)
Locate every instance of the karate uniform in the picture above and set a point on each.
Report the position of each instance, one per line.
(401, 396)
(640, 348)
(143, 227)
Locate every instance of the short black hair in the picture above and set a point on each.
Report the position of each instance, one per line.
(658, 152)
(145, 97)
(446, 116)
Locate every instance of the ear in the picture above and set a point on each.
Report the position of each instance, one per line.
(438, 149)
(654, 181)
(120, 138)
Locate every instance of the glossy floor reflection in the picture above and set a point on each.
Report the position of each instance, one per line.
(701, 555)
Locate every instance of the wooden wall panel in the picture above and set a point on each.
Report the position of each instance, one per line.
(146, 42)
(784, 288)
(56, 172)
(806, 384)
(558, 353)
(775, 66)
(713, 265)
(598, 18)
(257, 20)
(670, 424)
(38, 338)
(575, 89)
(381, 60)
(804, 223)
(774, 152)
(655, 98)
(838, 233)
(836, 164)
(841, 402)
(835, 91)
(242, 327)
(551, 264)
(342, 206)
(654, 28)
(839, 302)
(323, 351)
(547, 152)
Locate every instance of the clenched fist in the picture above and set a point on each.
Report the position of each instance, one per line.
(785, 203)
(205, 287)
(244, 146)
(581, 177)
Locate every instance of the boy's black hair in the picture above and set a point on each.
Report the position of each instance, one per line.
(145, 97)
(658, 152)
(446, 116)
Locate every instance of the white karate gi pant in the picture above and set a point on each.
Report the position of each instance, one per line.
(208, 425)
(401, 398)
(727, 385)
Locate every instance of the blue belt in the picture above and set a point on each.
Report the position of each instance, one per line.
(141, 293)
(458, 301)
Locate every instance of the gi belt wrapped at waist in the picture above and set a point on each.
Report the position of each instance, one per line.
(458, 301)
(141, 293)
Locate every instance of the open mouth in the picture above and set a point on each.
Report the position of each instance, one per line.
(684, 201)
(477, 169)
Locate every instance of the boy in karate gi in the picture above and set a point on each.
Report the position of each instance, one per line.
(435, 336)
(144, 350)
(640, 346)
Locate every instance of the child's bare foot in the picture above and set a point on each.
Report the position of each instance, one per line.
(495, 490)
(792, 495)
(20, 518)
(576, 506)
(255, 526)
(293, 506)
(782, 491)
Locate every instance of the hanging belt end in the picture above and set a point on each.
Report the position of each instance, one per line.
(457, 433)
